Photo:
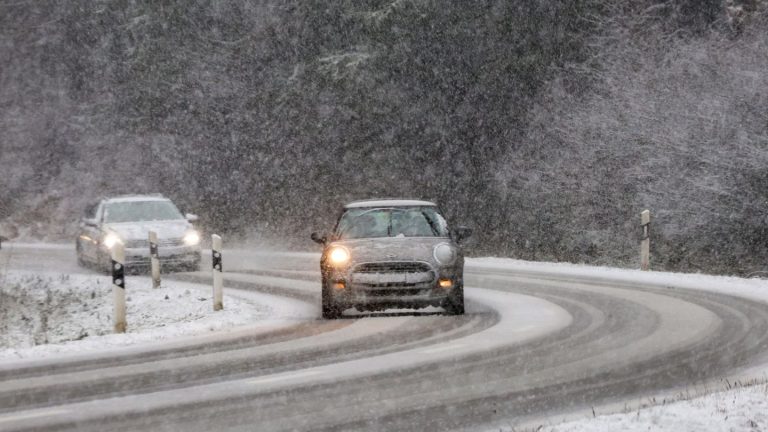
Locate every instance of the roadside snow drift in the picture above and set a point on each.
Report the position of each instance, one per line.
(738, 410)
(46, 313)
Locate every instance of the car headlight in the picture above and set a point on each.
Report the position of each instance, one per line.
(191, 238)
(445, 254)
(110, 240)
(339, 255)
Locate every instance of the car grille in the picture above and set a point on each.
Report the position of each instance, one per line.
(388, 275)
(388, 292)
(137, 244)
(393, 267)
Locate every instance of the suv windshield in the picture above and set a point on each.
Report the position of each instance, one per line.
(140, 211)
(391, 222)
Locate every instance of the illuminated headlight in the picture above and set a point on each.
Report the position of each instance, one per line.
(445, 283)
(444, 254)
(111, 240)
(191, 238)
(338, 255)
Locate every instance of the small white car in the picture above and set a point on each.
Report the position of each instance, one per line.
(392, 254)
(127, 220)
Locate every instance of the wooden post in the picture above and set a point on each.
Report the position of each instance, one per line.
(218, 277)
(118, 286)
(154, 259)
(645, 243)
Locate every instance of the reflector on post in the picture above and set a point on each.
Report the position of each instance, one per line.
(118, 286)
(154, 259)
(218, 277)
(645, 243)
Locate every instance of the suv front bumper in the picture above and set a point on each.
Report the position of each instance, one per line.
(169, 256)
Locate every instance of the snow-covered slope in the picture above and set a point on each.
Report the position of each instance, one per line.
(738, 410)
(46, 314)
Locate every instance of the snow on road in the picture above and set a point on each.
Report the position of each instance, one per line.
(736, 410)
(151, 319)
(47, 314)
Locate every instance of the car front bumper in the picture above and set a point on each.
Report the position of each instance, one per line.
(391, 290)
(170, 256)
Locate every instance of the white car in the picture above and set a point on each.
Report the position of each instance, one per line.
(392, 254)
(127, 220)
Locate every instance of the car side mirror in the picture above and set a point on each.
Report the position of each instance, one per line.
(191, 217)
(317, 238)
(461, 233)
(90, 222)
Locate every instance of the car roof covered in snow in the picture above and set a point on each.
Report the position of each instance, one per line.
(389, 203)
(129, 198)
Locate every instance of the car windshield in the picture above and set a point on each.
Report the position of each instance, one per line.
(391, 222)
(140, 211)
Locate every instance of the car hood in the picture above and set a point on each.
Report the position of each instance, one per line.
(392, 248)
(172, 229)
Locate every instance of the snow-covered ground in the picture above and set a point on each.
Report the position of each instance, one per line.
(45, 314)
(78, 308)
(755, 289)
(744, 409)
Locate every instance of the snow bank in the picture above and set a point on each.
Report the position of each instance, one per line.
(755, 289)
(39, 246)
(44, 314)
(742, 409)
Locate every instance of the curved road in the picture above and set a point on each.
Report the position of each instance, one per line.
(532, 345)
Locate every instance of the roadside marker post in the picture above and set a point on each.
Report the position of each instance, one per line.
(218, 277)
(154, 259)
(645, 243)
(118, 286)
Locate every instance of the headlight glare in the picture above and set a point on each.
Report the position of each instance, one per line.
(191, 238)
(339, 255)
(445, 254)
(110, 240)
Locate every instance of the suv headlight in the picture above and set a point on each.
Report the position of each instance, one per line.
(338, 255)
(110, 240)
(191, 238)
(444, 254)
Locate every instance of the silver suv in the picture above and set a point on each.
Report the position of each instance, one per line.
(392, 254)
(128, 220)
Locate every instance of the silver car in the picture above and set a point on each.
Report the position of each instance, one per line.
(392, 254)
(127, 220)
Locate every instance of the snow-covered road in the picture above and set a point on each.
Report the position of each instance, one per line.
(538, 341)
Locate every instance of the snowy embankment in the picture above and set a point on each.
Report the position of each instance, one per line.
(743, 409)
(45, 314)
(735, 409)
(754, 289)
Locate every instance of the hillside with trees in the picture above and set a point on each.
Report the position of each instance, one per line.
(545, 126)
